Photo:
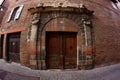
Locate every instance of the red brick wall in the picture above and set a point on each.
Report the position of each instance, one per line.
(106, 29)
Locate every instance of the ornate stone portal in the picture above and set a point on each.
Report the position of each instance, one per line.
(37, 33)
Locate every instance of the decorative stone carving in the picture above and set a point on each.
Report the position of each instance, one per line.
(33, 26)
(32, 36)
(35, 18)
(82, 17)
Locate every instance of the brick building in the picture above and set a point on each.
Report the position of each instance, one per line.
(3, 8)
(61, 34)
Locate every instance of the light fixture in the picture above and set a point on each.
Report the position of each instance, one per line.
(1, 9)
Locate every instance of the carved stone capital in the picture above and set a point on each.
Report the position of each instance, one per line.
(35, 22)
(35, 18)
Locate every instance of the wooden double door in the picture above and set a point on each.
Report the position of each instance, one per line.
(61, 50)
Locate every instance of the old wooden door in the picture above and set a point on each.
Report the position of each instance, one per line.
(61, 50)
(69, 50)
(13, 47)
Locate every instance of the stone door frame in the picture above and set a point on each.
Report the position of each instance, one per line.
(36, 34)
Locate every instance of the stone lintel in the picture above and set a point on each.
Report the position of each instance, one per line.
(80, 10)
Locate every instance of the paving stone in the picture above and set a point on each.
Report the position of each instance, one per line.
(18, 72)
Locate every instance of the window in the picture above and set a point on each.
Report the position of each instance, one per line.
(116, 4)
(1, 2)
(1, 7)
(15, 13)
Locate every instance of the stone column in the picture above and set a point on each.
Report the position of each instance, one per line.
(86, 62)
(4, 47)
(32, 38)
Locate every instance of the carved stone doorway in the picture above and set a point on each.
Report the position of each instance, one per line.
(61, 19)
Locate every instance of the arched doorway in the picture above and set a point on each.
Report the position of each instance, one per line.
(61, 44)
(57, 25)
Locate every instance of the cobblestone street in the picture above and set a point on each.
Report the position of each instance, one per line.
(15, 71)
(4, 75)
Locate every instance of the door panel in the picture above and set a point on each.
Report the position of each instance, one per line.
(53, 51)
(13, 47)
(61, 50)
(70, 51)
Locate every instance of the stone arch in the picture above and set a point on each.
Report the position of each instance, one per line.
(82, 18)
(61, 24)
(77, 18)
